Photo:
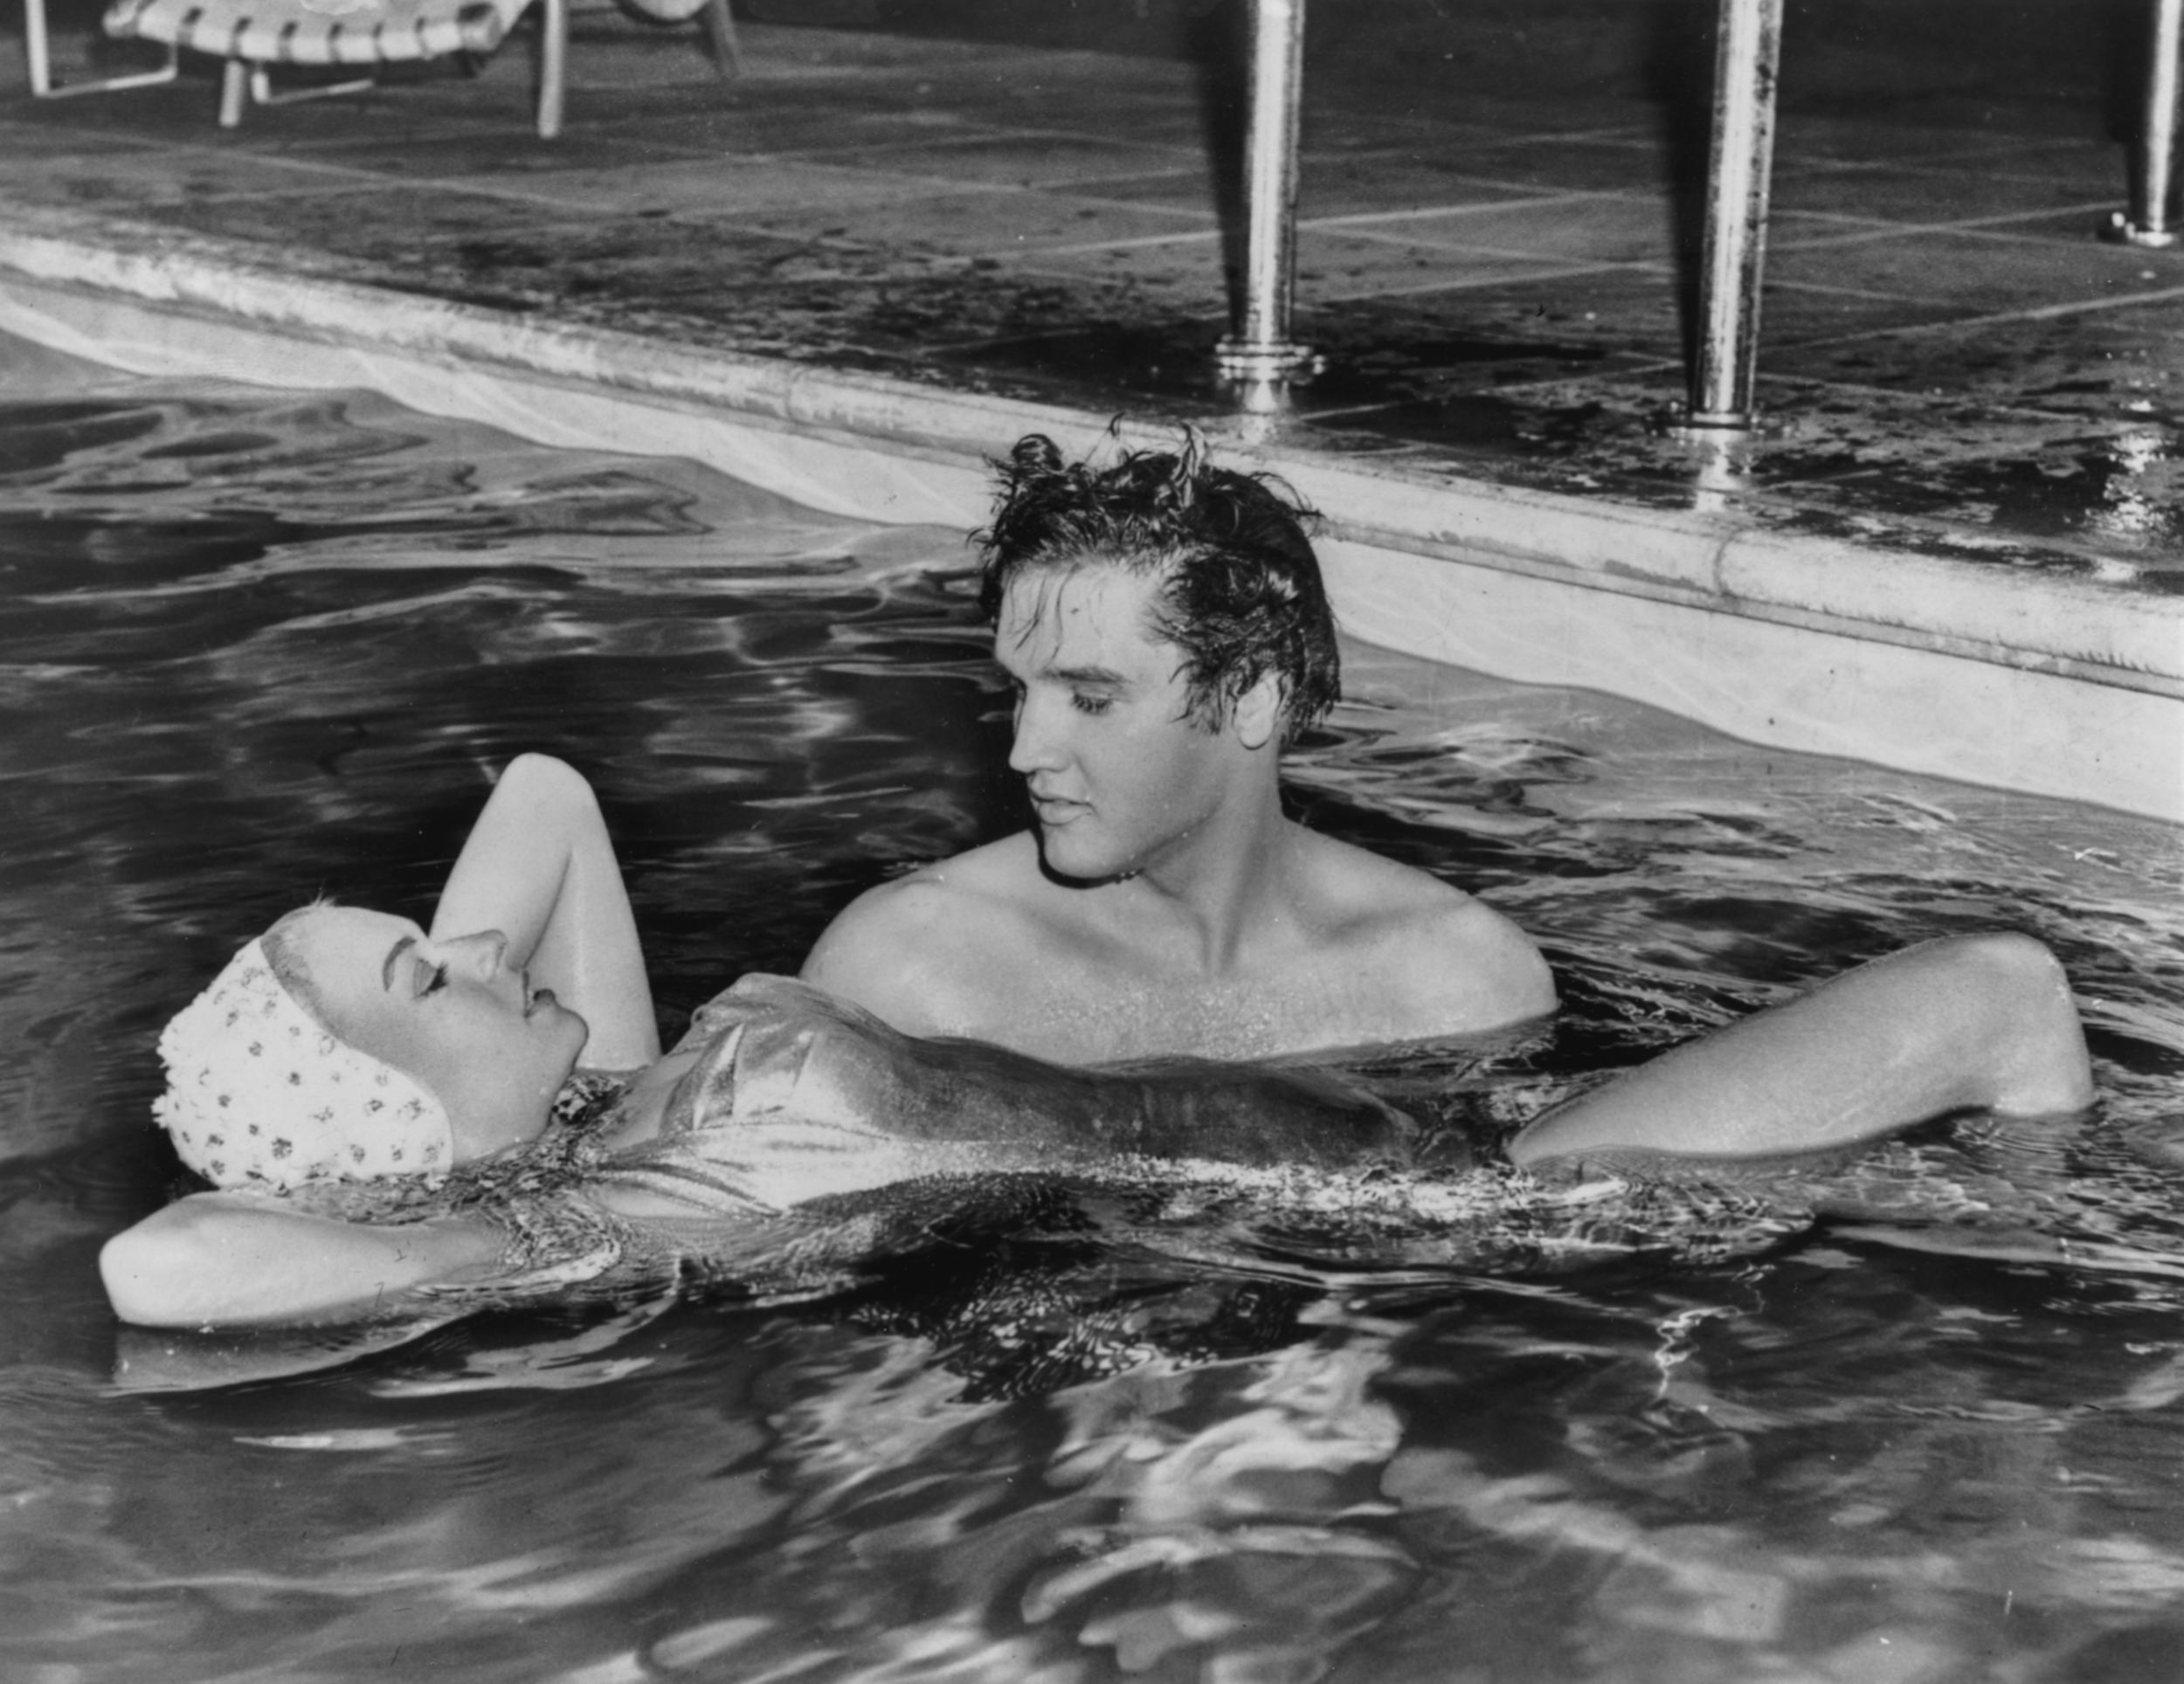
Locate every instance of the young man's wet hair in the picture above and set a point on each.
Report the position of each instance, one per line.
(1240, 592)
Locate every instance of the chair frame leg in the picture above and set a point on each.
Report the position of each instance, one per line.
(234, 92)
(37, 51)
(720, 35)
(263, 93)
(244, 83)
(553, 67)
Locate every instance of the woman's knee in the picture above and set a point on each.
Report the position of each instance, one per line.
(2008, 959)
(545, 790)
(544, 773)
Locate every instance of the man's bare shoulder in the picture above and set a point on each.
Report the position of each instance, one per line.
(903, 948)
(1442, 961)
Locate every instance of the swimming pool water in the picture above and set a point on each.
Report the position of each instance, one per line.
(255, 646)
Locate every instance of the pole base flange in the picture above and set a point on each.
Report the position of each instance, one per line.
(1718, 420)
(2120, 229)
(1278, 360)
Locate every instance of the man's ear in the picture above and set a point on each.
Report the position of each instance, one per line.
(1255, 715)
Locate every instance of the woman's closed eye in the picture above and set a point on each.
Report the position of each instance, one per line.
(430, 979)
(1090, 702)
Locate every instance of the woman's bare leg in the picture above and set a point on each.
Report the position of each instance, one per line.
(1981, 1022)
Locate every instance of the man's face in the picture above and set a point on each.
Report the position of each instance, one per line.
(1121, 780)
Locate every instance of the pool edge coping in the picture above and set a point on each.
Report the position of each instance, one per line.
(1721, 561)
(1725, 560)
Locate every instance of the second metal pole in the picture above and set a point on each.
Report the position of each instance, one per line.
(2147, 223)
(1261, 349)
(1737, 185)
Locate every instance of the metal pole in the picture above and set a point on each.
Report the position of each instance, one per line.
(1737, 182)
(1262, 347)
(2147, 222)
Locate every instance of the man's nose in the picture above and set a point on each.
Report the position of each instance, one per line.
(1037, 744)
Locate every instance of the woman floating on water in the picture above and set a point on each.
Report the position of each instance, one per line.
(394, 1117)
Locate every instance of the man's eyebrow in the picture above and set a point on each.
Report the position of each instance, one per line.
(394, 952)
(1087, 675)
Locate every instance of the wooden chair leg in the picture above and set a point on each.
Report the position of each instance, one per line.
(720, 34)
(553, 66)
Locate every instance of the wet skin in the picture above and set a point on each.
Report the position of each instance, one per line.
(450, 1013)
(1162, 906)
(1122, 779)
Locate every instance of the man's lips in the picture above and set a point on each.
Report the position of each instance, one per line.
(1054, 809)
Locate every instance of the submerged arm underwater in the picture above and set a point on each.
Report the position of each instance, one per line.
(806, 1142)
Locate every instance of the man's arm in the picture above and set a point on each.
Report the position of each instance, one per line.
(1479, 971)
(539, 866)
(1421, 959)
(1982, 1022)
(222, 1259)
(803, 1053)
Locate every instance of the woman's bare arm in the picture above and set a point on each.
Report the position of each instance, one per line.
(229, 1260)
(539, 866)
(1983, 1022)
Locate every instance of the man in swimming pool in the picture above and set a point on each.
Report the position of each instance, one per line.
(1164, 627)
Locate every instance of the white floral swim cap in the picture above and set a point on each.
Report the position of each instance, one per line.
(260, 1093)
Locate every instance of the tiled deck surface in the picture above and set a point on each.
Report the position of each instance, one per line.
(1488, 250)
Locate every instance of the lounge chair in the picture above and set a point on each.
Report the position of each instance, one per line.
(252, 35)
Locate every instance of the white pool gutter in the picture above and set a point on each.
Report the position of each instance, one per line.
(2050, 680)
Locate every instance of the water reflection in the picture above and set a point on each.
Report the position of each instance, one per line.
(1916, 1416)
(2138, 499)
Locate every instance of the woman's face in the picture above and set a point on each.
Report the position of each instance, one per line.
(448, 1014)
